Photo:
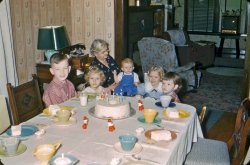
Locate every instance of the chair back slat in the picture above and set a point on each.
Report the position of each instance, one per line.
(25, 101)
(202, 114)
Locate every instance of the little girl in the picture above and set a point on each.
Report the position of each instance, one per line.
(153, 86)
(127, 79)
(95, 77)
(171, 83)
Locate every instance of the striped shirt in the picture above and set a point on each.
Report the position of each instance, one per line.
(58, 92)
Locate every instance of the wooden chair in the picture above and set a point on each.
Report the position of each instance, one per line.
(208, 151)
(25, 101)
(202, 114)
(4, 117)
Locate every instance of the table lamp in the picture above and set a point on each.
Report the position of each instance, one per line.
(52, 39)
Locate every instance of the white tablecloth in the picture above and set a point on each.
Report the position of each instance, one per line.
(95, 144)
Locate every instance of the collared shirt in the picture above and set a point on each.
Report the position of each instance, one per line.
(147, 90)
(108, 71)
(58, 92)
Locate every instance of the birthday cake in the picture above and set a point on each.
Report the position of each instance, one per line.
(112, 109)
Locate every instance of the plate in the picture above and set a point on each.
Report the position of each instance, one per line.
(171, 104)
(73, 159)
(141, 119)
(148, 134)
(21, 149)
(182, 113)
(135, 150)
(92, 113)
(62, 107)
(71, 121)
(26, 131)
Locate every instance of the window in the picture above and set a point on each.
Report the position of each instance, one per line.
(202, 15)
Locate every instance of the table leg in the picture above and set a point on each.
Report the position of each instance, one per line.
(237, 43)
(221, 47)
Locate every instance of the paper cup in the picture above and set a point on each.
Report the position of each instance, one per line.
(165, 101)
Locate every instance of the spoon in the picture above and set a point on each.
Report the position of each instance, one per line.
(139, 158)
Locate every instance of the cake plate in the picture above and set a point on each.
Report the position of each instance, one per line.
(92, 113)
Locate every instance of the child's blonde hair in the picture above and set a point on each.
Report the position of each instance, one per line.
(157, 69)
(175, 77)
(127, 61)
(94, 70)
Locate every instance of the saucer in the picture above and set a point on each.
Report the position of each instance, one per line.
(73, 159)
(182, 114)
(71, 121)
(148, 134)
(135, 150)
(26, 131)
(21, 149)
(171, 104)
(141, 119)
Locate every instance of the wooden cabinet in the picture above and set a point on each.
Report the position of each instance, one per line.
(77, 63)
(143, 21)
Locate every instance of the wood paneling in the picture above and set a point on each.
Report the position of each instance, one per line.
(84, 20)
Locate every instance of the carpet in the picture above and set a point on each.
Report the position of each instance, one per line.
(218, 93)
(226, 71)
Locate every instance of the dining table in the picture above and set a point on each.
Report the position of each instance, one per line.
(96, 144)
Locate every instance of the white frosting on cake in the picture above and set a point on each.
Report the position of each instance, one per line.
(161, 135)
(115, 111)
(53, 109)
(172, 113)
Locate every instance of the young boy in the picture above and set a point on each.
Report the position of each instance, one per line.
(127, 79)
(171, 83)
(59, 89)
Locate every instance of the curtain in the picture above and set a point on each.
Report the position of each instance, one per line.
(8, 72)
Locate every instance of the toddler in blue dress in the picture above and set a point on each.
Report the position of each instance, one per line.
(127, 79)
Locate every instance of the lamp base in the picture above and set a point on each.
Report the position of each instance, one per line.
(49, 53)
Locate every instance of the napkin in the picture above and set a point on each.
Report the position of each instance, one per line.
(16, 130)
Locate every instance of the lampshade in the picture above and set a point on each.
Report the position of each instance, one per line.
(52, 38)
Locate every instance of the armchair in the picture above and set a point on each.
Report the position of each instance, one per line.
(189, 51)
(157, 51)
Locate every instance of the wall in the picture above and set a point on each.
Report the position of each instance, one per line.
(84, 20)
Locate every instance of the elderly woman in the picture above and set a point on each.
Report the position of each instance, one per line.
(99, 48)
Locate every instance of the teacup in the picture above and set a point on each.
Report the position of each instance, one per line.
(63, 115)
(149, 115)
(165, 100)
(83, 99)
(45, 152)
(127, 142)
(10, 145)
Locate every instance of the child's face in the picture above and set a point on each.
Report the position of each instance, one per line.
(60, 70)
(168, 86)
(127, 68)
(94, 80)
(154, 78)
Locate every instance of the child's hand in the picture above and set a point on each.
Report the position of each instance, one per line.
(136, 83)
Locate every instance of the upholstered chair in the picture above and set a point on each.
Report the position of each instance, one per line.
(189, 51)
(156, 51)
